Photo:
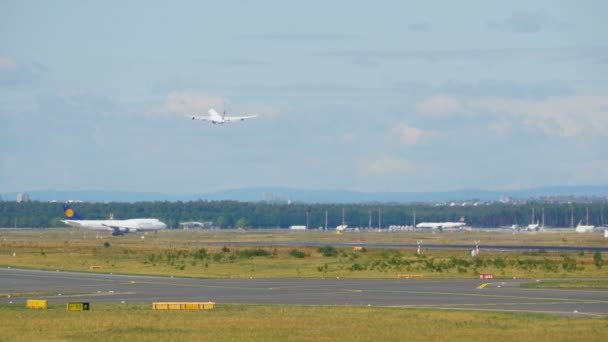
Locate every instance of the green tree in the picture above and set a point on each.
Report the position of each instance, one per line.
(242, 223)
(221, 221)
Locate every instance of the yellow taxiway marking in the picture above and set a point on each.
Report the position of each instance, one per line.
(483, 286)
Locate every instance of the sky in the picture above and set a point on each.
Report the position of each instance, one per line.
(371, 96)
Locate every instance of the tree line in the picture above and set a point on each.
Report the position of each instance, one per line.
(233, 214)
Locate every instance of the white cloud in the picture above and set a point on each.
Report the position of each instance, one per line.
(193, 103)
(408, 135)
(500, 126)
(567, 116)
(384, 167)
(439, 106)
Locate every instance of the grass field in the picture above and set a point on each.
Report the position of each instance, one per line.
(188, 254)
(107, 322)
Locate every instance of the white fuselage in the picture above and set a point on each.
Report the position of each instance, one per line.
(440, 225)
(130, 225)
(581, 228)
(533, 226)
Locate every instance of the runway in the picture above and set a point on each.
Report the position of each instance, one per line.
(438, 294)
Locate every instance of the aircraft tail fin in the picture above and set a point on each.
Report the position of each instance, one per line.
(70, 213)
(215, 115)
(462, 219)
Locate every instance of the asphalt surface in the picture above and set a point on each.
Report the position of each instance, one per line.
(492, 295)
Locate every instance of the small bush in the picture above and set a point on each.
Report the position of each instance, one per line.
(225, 249)
(250, 253)
(597, 259)
(298, 254)
(357, 267)
(106, 244)
(201, 254)
(328, 251)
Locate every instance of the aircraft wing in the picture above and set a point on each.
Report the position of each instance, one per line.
(118, 230)
(238, 118)
(199, 117)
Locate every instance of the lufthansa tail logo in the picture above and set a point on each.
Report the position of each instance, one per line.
(69, 213)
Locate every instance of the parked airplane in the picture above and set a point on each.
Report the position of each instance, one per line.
(341, 227)
(118, 227)
(442, 225)
(514, 227)
(584, 228)
(216, 118)
(534, 227)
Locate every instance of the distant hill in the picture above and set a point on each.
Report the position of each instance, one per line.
(282, 194)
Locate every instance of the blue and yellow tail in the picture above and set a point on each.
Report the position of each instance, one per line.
(70, 213)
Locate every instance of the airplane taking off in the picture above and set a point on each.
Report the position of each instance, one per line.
(442, 225)
(118, 227)
(216, 118)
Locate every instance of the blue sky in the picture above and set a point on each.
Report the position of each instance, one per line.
(357, 95)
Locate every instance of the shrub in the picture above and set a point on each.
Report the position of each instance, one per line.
(328, 251)
(298, 254)
(250, 253)
(201, 254)
(357, 267)
(597, 259)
